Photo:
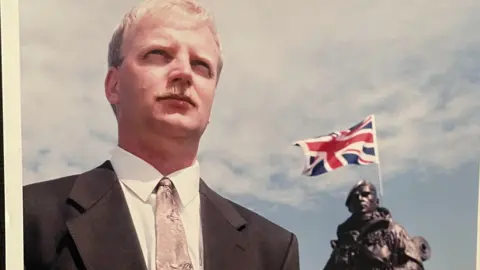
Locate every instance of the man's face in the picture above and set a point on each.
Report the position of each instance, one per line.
(167, 79)
(363, 200)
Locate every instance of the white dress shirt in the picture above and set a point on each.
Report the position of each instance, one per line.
(138, 180)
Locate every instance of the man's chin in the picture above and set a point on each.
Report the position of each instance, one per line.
(362, 210)
(366, 209)
(178, 123)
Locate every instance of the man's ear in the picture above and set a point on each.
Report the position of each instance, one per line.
(111, 86)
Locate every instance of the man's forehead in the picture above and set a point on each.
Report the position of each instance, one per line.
(178, 29)
(363, 188)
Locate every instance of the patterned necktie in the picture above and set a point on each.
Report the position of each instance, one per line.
(171, 248)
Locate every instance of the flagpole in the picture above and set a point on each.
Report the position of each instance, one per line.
(478, 223)
(377, 156)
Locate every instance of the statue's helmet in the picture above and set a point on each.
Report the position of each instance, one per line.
(358, 185)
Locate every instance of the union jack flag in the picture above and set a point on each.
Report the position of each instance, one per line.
(354, 146)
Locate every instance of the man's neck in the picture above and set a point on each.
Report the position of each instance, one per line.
(166, 156)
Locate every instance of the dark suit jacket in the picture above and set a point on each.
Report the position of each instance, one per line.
(83, 222)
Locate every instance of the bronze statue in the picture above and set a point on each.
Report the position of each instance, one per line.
(370, 240)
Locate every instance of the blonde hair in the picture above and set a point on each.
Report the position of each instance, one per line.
(161, 8)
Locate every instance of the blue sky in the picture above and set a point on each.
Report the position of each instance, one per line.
(293, 70)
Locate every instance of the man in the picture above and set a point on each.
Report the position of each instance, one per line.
(369, 239)
(147, 207)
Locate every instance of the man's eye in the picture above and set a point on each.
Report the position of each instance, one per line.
(201, 63)
(157, 52)
(204, 67)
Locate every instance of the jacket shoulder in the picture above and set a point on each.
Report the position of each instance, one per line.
(44, 219)
(48, 191)
(44, 201)
(260, 222)
(55, 188)
(273, 241)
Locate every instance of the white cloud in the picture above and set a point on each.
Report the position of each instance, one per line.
(294, 69)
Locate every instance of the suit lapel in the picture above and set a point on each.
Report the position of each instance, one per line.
(223, 240)
(100, 222)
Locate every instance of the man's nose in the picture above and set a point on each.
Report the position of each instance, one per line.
(181, 72)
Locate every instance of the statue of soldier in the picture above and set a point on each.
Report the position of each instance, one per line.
(370, 240)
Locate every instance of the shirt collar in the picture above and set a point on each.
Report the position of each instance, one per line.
(141, 177)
